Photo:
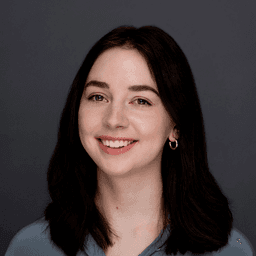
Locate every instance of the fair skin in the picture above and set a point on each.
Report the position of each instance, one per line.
(130, 184)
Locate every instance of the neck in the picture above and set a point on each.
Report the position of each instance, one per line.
(133, 201)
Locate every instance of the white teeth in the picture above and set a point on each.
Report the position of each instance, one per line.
(116, 144)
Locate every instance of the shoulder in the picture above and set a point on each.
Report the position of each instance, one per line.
(33, 239)
(238, 245)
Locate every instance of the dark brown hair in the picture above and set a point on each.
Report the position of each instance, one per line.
(201, 220)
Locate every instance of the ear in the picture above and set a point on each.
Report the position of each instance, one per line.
(174, 135)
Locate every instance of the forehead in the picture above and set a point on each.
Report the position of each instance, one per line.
(121, 64)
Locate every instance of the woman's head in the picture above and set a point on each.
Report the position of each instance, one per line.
(163, 66)
(120, 112)
(196, 204)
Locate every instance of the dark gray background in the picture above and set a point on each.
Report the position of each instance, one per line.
(43, 43)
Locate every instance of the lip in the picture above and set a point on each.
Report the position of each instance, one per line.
(116, 151)
(106, 137)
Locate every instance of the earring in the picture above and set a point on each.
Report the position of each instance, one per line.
(170, 143)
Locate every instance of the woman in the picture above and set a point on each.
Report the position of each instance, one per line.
(135, 85)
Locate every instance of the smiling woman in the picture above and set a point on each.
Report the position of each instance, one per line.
(135, 84)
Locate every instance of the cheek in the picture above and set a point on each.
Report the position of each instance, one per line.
(86, 121)
(149, 127)
(156, 127)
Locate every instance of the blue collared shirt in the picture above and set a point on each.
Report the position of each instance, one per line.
(33, 241)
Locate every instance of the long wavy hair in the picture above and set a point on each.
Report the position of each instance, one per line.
(200, 216)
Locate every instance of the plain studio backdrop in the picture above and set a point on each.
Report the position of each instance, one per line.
(43, 44)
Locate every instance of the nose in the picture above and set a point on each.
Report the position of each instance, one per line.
(115, 116)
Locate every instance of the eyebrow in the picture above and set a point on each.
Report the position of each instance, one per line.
(134, 88)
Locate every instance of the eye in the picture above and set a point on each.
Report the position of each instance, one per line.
(148, 104)
(97, 95)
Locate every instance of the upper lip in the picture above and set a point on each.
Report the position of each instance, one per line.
(106, 137)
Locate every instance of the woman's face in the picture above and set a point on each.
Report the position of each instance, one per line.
(120, 112)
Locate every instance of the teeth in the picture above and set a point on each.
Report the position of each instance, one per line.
(116, 144)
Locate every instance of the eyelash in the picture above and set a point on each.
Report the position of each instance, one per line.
(90, 98)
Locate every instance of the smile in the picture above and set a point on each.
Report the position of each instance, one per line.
(116, 151)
